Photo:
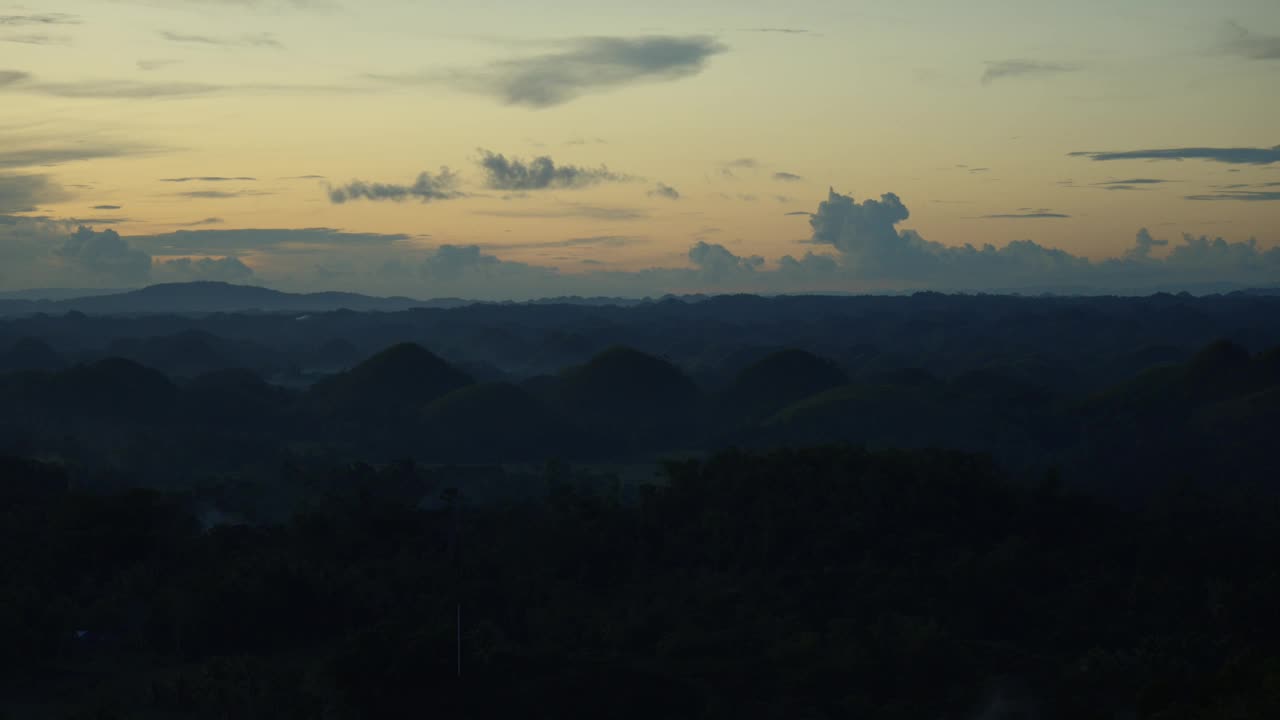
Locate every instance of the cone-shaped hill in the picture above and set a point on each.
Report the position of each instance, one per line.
(111, 388)
(233, 398)
(774, 382)
(402, 377)
(495, 421)
(30, 354)
(641, 397)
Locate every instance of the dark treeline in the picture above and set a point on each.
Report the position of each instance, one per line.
(819, 583)
(937, 507)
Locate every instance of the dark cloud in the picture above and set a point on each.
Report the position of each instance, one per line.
(799, 212)
(38, 19)
(427, 187)
(1001, 69)
(24, 193)
(206, 221)
(258, 40)
(1233, 156)
(456, 263)
(664, 190)
(13, 77)
(225, 269)
(1240, 195)
(207, 179)
(541, 173)
(104, 254)
(787, 177)
(716, 263)
(1143, 245)
(578, 67)
(1029, 215)
(304, 177)
(594, 212)
(107, 207)
(1250, 45)
(95, 221)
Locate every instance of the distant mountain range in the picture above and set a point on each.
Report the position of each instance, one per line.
(214, 297)
(220, 297)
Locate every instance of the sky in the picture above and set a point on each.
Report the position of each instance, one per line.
(501, 149)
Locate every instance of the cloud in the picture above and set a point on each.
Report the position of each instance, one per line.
(219, 194)
(276, 240)
(581, 66)
(1253, 46)
(594, 212)
(206, 221)
(36, 39)
(1240, 195)
(38, 19)
(24, 193)
(257, 40)
(207, 179)
(664, 190)
(13, 77)
(744, 162)
(454, 263)
(1027, 215)
(11, 157)
(806, 213)
(1001, 69)
(780, 30)
(104, 254)
(1233, 156)
(157, 64)
(1143, 245)
(787, 177)
(612, 241)
(225, 269)
(715, 262)
(541, 173)
(428, 187)
(107, 207)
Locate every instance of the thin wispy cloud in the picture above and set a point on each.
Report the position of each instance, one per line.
(220, 194)
(36, 39)
(107, 207)
(207, 178)
(1027, 214)
(1239, 196)
(256, 40)
(1002, 69)
(38, 19)
(608, 241)
(579, 67)
(1233, 156)
(787, 177)
(1250, 45)
(157, 64)
(572, 210)
(41, 154)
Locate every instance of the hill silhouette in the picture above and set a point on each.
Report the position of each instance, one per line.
(774, 382)
(213, 297)
(635, 396)
(30, 354)
(496, 419)
(403, 377)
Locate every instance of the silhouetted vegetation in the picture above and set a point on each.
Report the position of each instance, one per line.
(918, 507)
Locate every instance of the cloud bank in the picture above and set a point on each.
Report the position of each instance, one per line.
(581, 66)
(858, 246)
